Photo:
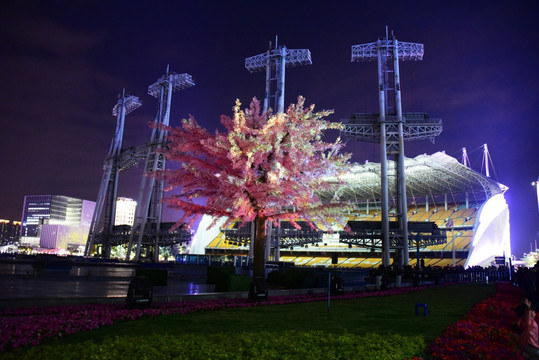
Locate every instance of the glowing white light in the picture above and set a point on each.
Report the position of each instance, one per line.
(491, 209)
(491, 235)
(536, 184)
(204, 234)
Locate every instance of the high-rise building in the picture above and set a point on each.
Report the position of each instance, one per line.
(9, 231)
(125, 211)
(55, 221)
(36, 210)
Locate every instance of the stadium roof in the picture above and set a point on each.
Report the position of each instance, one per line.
(426, 175)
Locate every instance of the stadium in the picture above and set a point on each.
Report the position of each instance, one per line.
(429, 209)
(461, 214)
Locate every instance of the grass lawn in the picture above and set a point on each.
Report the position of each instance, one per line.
(381, 315)
(384, 314)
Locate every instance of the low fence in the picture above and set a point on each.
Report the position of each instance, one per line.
(482, 276)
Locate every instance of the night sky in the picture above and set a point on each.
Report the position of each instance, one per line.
(63, 63)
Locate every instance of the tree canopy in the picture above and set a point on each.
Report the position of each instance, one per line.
(265, 165)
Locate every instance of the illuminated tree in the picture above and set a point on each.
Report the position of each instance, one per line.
(265, 167)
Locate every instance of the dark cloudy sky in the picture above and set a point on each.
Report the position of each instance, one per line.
(63, 63)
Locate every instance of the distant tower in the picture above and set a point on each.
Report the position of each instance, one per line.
(108, 190)
(486, 160)
(465, 159)
(149, 204)
(391, 128)
(274, 61)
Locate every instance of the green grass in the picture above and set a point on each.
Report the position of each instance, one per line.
(385, 314)
(379, 327)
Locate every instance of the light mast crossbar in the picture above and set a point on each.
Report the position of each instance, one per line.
(294, 57)
(177, 81)
(407, 51)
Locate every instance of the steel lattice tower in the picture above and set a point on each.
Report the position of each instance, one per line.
(149, 203)
(108, 190)
(390, 128)
(275, 61)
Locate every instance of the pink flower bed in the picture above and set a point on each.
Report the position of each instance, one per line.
(484, 332)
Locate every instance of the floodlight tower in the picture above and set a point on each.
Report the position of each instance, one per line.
(391, 128)
(108, 190)
(149, 204)
(274, 61)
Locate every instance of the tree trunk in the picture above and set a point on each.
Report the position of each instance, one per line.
(259, 258)
(258, 290)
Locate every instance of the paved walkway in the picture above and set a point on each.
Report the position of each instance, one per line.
(20, 285)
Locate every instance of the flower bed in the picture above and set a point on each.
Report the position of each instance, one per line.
(485, 331)
(28, 326)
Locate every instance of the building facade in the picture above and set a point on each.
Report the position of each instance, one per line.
(125, 211)
(9, 232)
(55, 222)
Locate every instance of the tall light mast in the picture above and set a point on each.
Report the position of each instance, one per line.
(390, 128)
(149, 204)
(108, 190)
(274, 61)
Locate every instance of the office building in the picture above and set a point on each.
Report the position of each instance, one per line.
(55, 222)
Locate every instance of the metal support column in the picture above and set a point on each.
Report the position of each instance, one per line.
(383, 158)
(149, 205)
(401, 178)
(108, 189)
(274, 62)
(390, 129)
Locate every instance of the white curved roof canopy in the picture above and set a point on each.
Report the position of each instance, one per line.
(426, 175)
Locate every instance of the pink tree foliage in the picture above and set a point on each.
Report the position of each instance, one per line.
(265, 167)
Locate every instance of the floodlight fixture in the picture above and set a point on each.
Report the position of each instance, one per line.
(406, 51)
(129, 102)
(178, 82)
(274, 62)
(293, 57)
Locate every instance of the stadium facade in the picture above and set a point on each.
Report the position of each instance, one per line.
(466, 211)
